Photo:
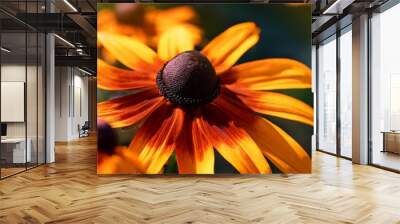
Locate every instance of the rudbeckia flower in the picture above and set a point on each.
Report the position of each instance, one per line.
(194, 102)
(163, 20)
(155, 23)
(111, 158)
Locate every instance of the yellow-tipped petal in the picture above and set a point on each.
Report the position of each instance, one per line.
(269, 74)
(177, 40)
(232, 142)
(155, 140)
(130, 52)
(274, 104)
(129, 110)
(113, 78)
(281, 149)
(194, 152)
(226, 49)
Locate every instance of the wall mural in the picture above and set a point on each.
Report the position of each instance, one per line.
(204, 88)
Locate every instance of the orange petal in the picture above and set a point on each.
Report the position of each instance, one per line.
(279, 147)
(177, 14)
(113, 78)
(276, 144)
(177, 40)
(194, 152)
(224, 50)
(232, 142)
(108, 165)
(269, 74)
(105, 18)
(107, 56)
(130, 52)
(129, 162)
(274, 104)
(119, 163)
(128, 110)
(164, 19)
(154, 141)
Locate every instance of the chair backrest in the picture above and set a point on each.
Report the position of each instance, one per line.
(86, 125)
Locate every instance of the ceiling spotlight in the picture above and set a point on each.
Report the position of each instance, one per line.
(70, 5)
(84, 71)
(337, 7)
(5, 50)
(80, 51)
(65, 41)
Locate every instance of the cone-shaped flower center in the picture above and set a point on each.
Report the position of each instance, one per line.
(189, 79)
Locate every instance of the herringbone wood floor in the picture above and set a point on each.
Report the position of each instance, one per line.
(69, 191)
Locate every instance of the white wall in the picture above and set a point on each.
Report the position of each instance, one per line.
(33, 127)
(16, 73)
(71, 102)
(12, 73)
(61, 103)
(82, 82)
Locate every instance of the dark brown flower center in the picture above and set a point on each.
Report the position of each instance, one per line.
(189, 79)
(106, 138)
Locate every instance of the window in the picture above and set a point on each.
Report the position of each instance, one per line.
(22, 101)
(346, 93)
(327, 96)
(385, 89)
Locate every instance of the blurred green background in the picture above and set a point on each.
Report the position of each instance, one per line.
(285, 33)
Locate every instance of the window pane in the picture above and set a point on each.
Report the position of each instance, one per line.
(327, 96)
(346, 94)
(14, 153)
(31, 97)
(385, 89)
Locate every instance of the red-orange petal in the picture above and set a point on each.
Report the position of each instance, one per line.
(113, 78)
(274, 104)
(194, 152)
(128, 110)
(232, 142)
(226, 49)
(131, 52)
(154, 142)
(269, 74)
(276, 144)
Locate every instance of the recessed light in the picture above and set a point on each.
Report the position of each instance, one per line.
(70, 5)
(5, 50)
(65, 41)
(84, 71)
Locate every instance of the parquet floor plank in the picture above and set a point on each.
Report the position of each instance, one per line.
(69, 191)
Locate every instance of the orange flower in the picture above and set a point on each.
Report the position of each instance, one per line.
(108, 22)
(112, 158)
(163, 20)
(122, 162)
(155, 23)
(192, 102)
